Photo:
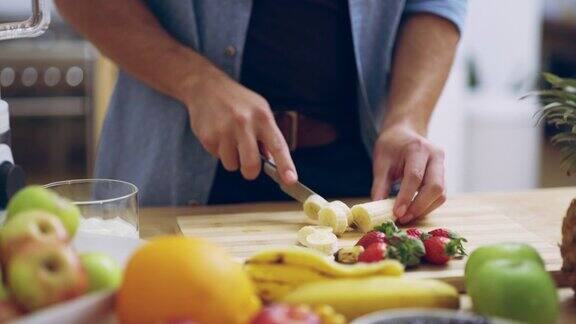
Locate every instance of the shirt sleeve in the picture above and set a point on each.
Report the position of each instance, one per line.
(453, 10)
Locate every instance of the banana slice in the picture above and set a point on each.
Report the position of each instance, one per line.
(324, 242)
(312, 205)
(371, 214)
(334, 215)
(310, 229)
(345, 207)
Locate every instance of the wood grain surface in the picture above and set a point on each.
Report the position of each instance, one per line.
(532, 217)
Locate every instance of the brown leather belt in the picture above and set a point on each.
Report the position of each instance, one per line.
(302, 131)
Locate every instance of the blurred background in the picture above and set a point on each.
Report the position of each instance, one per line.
(58, 87)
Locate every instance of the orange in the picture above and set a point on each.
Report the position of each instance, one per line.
(175, 278)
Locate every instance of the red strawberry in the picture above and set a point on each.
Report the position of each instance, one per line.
(414, 232)
(373, 253)
(406, 249)
(444, 232)
(439, 250)
(371, 238)
(455, 237)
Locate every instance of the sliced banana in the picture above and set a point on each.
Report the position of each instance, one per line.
(345, 207)
(334, 215)
(371, 214)
(325, 242)
(310, 229)
(312, 205)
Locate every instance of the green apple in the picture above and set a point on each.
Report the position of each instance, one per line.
(29, 227)
(103, 272)
(510, 251)
(36, 197)
(45, 274)
(515, 289)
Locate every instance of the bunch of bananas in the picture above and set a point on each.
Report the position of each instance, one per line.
(301, 276)
(276, 272)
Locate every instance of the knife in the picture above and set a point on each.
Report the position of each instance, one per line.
(297, 190)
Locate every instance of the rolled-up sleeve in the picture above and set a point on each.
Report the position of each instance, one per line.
(453, 10)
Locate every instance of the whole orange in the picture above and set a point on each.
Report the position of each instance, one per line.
(175, 278)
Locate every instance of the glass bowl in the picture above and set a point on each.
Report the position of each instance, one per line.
(108, 207)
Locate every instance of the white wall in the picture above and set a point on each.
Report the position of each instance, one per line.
(488, 135)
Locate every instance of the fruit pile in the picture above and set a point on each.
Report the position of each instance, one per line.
(409, 247)
(39, 267)
(300, 276)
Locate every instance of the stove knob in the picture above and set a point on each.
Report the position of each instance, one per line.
(74, 76)
(52, 76)
(7, 77)
(29, 76)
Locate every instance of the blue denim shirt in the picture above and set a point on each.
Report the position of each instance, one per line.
(146, 138)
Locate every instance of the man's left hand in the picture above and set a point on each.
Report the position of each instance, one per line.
(402, 153)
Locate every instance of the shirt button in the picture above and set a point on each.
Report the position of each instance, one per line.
(230, 51)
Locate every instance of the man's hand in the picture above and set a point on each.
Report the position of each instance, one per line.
(402, 153)
(422, 60)
(231, 122)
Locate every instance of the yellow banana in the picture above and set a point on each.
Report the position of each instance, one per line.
(335, 215)
(356, 297)
(371, 214)
(312, 206)
(278, 271)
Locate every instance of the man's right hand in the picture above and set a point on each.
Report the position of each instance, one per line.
(231, 122)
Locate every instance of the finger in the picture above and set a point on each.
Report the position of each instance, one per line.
(228, 153)
(432, 188)
(249, 156)
(439, 202)
(381, 183)
(264, 151)
(278, 149)
(431, 208)
(412, 177)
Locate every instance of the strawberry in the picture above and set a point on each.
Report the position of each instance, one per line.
(373, 253)
(455, 237)
(414, 232)
(406, 249)
(371, 238)
(439, 249)
(444, 232)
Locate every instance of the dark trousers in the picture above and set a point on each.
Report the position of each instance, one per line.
(337, 170)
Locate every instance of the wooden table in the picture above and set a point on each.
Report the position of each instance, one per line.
(540, 211)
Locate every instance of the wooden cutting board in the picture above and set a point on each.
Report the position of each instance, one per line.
(248, 232)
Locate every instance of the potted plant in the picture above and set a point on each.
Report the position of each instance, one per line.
(559, 110)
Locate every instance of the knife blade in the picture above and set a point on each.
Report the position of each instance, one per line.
(297, 190)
